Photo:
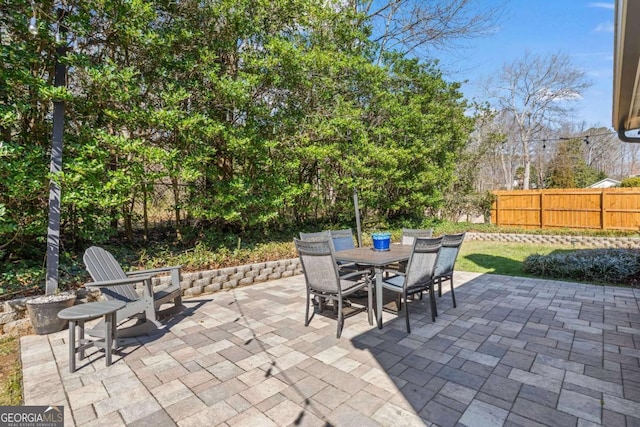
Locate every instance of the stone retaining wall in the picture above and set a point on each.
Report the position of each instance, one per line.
(14, 318)
(226, 278)
(584, 241)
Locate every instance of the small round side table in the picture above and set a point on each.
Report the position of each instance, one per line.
(78, 314)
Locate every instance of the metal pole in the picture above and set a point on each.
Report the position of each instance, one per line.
(53, 230)
(355, 204)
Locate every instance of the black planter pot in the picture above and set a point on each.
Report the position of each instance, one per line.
(43, 312)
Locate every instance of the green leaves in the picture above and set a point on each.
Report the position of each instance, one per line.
(612, 266)
(246, 114)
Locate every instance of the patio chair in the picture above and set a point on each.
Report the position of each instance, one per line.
(340, 239)
(418, 277)
(323, 279)
(318, 235)
(409, 234)
(446, 261)
(343, 240)
(144, 306)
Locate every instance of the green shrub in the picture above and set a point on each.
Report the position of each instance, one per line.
(632, 181)
(611, 266)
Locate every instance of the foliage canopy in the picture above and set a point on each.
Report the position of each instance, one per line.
(230, 114)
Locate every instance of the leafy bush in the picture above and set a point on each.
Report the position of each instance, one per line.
(611, 266)
(633, 181)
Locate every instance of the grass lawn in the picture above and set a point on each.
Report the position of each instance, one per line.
(10, 372)
(501, 257)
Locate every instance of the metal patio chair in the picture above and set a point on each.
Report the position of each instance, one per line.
(409, 234)
(446, 261)
(324, 281)
(418, 277)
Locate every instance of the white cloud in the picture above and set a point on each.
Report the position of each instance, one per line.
(602, 5)
(604, 27)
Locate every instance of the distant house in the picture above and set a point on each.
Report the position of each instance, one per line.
(605, 183)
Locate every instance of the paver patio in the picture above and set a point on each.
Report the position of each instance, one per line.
(516, 351)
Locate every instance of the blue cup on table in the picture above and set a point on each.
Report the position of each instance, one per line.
(381, 241)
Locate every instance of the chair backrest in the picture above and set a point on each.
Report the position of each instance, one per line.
(319, 265)
(342, 239)
(319, 235)
(102, 266)
(422, 262)
(449, 253)
(409, 234)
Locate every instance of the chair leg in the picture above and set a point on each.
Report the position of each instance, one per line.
(453, 295)
(370, 302)
(340, 318)
(306, 316)
(406, 309)
(440, 287)
(432, 301)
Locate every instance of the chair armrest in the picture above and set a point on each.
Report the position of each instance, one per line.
(153, 271)
(356, 273)
(146, 280)
(116, 282)
(395, 272)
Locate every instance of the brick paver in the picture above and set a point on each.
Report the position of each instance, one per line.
(516, 351)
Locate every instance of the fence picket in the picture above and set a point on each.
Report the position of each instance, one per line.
(579, 208)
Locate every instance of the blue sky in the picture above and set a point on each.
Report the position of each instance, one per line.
(581, 29)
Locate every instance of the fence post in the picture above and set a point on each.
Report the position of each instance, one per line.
(602, 210)
(541, 208)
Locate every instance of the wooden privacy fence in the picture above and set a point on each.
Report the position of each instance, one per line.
(588, 208)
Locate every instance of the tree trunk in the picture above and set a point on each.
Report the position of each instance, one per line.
(145, 213)
(176, 204)
(127, 220)
(507, 176)
(527, 172)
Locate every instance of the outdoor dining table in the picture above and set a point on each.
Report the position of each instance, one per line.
(378, 260)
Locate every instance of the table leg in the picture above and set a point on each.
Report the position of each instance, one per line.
(81, 338)
(379, 296)
(114, 328)
(72, 346)
(108, 336)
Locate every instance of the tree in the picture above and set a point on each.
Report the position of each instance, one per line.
(568, 169)
(26, 92)
(604, 151)
(475, 173)
(412, 26)
(536, 92)
(419, 130)
(233, 114)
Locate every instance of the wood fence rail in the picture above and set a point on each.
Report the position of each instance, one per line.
(580, 208)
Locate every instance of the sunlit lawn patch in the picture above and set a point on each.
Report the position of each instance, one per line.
(501, 257)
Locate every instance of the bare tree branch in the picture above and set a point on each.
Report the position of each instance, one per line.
(537, 92)
(412, 25)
